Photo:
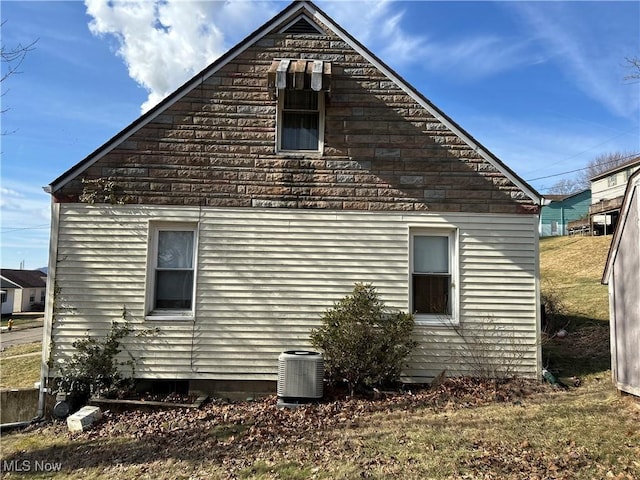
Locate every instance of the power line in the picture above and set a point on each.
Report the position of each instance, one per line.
(583, 168)
(591, 148)
(38, 227)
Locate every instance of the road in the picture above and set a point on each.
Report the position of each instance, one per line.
(18, 337)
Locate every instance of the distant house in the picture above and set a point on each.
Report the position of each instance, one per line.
(233, 214)
(23, 290)
(622, 274)
(607, 193)
(563, 209)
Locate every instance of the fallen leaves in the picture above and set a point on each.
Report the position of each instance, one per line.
(238, 434)
(357, 437)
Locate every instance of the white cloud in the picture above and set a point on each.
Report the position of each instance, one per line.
(22, 205)
(7, 193)
(588, 49)
(379, 26)
(164, 43)
(484, 55)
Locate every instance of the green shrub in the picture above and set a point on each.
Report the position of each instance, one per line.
(93, 368)
(364, 343)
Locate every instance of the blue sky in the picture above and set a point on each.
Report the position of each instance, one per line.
(540, 84)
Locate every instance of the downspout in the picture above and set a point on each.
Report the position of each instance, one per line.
(50, 304)
(538, 291)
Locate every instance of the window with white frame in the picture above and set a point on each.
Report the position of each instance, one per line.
(433, 275)
(300, 120)
(172, 259)
(612, 181)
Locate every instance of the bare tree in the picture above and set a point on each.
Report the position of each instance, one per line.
(565, 186)
(634, 66)
(601, 164)
(12, 59)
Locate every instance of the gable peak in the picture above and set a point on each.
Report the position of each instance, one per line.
(301, 25)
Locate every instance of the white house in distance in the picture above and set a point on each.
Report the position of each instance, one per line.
(607, 193)
(23, 290)
(233, 214)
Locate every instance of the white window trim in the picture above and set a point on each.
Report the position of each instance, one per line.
(454, 268)
(152, 256)
(321, 110)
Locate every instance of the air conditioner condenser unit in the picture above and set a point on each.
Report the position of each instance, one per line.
(300, 376)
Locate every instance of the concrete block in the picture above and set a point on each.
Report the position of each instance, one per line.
(83, 419)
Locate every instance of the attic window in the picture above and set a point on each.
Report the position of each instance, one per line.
(300, 121)
(302, 26)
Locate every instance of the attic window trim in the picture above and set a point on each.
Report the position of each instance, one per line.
(299, 74)
(297, 20)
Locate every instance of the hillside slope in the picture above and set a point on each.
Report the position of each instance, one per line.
(572, 267)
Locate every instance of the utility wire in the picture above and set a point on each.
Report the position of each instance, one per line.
(38, 227)
(584, 168)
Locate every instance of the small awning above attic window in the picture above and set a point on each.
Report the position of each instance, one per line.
(300, 74)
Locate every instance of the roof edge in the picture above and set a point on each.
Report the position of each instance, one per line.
(632, 184)
(617, 168)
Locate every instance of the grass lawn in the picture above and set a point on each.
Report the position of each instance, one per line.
(586, 433)
(459, 431)
(571, 269)
(18, 368)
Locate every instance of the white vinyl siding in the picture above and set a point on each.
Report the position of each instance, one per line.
(264, 277)
(611, 186)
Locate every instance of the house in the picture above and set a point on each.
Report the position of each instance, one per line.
(556, 216)
(622, 275)
(7, 294)
(607, 193)
(229, 217)
(23, 290)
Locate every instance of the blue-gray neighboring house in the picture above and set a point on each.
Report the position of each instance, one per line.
(555, 217)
